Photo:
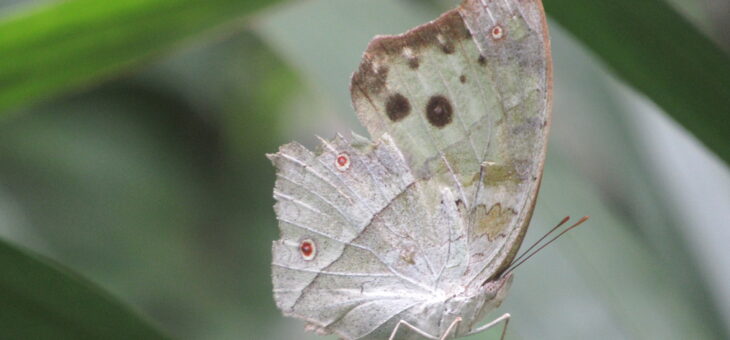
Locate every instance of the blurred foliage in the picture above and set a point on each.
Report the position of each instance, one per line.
(152, 181)
(41, 301)
(65, 44)
(656, 50)
(143, 184)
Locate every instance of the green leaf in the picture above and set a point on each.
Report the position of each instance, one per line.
(657, 51)
(41, 300)
(72, 43)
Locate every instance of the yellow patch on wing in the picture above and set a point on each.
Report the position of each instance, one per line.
(493, 221)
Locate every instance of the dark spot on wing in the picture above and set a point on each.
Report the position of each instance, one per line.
(482, 60)
(439, 111)
(397, 107)
(414, 63)
(460, 205)
(448, 47)
(462, 79)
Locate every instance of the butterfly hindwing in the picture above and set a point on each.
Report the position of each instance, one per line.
(370, 263)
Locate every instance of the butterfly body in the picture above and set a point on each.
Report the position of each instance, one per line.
(419, 224)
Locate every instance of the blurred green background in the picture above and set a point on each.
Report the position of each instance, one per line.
(133, 134)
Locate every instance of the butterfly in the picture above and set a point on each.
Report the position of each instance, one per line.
(410, 234)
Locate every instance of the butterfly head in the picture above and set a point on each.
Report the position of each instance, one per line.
(496, 290)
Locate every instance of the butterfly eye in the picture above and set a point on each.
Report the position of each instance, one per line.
(342, 162)
(497, 32)
(307, 249)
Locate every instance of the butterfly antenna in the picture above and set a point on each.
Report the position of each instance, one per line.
(564, 221)
(517, 262)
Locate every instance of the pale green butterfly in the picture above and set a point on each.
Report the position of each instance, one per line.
(416, 229)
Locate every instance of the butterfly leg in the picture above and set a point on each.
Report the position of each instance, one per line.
(414, 328)
(504, 318)
(451, 327)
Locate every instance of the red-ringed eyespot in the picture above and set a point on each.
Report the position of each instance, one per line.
(497, 32)
(342, 161)
(307, 249)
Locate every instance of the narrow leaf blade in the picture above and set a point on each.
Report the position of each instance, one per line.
(68, 44)
(41, 300)
(657, 51)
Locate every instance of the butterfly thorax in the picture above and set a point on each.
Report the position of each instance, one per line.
(471, 308)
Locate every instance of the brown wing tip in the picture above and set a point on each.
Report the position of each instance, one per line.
(372, 74)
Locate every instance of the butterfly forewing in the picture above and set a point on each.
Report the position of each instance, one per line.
(467, 90)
